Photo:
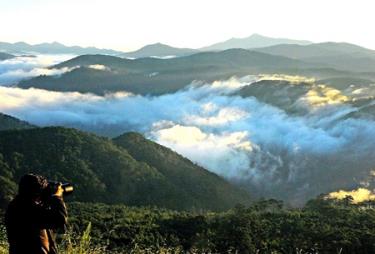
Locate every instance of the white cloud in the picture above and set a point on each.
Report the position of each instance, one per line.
(276, 154)
(99, 67)
(224, 153)
(221, 117)
(16, 69)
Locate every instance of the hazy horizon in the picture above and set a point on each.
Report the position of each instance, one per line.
(127, 26)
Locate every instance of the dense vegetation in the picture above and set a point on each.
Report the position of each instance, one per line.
(9, 123)
(102, 171)
(323, 226)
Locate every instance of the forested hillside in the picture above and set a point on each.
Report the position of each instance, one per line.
(196, 182)
(102, 171)
(9, 123)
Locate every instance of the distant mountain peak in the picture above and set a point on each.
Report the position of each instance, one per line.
(159, 50)
(157, 45)
(56, 43)
(49, 44)
(253, 36)
(256, 35)
(253, 41)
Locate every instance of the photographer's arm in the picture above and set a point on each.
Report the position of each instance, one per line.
(55, 215)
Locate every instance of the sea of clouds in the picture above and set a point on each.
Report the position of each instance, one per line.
(261, 147)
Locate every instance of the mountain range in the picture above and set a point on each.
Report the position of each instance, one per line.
(253, 41)
(152, 50)
(21, 48)
(342, 56)
(160, 76)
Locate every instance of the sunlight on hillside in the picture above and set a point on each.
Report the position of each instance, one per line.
(290, 78)
(359, 195)
(322, 95)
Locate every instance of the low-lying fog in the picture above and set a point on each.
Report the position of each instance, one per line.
(268, 151)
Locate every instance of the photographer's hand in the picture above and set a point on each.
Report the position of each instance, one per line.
(59, 191)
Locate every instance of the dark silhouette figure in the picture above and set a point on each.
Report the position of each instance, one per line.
(34, 215)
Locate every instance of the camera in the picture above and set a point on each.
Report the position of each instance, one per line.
(67, 187)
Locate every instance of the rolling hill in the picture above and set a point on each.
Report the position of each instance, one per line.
(159, 50)
(112, 171)
(279, 93)
(5, 56)
(293, 96)
(160, 76)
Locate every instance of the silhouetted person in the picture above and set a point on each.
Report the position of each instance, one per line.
(34, 215)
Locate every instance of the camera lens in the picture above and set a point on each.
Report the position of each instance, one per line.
(68, 188)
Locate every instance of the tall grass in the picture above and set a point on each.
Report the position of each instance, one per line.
(71, 243)
(3, 240)
(79, 244)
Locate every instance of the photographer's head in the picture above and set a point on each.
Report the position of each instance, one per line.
(32, 186)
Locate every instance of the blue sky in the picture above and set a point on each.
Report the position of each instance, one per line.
(128, 25)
